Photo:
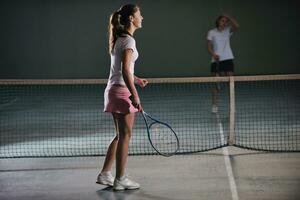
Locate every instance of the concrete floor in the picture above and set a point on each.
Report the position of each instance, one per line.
(256, 175)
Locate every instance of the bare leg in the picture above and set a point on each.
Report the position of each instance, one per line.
(125, 124)
(111, 151)
(214, 92)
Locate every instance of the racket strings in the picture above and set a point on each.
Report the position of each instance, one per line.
(163, 138)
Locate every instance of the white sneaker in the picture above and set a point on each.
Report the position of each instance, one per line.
(105, 178)
(125, 183)
(214, 109)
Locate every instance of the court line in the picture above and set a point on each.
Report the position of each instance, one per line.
(229, 171)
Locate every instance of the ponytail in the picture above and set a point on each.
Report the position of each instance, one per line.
(119, 23)
(113, 28)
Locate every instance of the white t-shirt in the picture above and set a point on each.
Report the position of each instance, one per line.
(122, 43)
(221, 43)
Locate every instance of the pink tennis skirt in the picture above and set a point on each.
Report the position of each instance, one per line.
(116, 100)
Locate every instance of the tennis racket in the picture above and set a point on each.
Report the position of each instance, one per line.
(162, 137)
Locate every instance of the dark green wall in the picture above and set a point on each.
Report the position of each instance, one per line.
(68, 39)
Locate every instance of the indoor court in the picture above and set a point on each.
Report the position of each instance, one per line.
(54, 135)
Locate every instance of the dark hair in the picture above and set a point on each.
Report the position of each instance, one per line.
(218, 19)
(119, 23)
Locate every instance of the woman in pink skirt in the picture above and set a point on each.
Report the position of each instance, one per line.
(121, 97)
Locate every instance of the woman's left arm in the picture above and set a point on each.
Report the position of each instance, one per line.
(140, 81)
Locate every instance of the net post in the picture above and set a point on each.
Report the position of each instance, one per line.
(231, 112)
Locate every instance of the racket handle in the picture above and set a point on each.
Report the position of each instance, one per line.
(131, 98)
(140, 106)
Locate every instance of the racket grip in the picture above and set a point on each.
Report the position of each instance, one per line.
(131, 98)
(140, 106)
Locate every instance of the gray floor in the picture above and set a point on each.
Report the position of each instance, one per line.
(257, 175)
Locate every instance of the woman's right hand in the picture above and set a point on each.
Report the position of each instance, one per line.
(136, 102)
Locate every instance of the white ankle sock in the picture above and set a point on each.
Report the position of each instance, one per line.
(121, 178)
(106, 173)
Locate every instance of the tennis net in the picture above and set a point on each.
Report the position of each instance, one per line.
(45, 118)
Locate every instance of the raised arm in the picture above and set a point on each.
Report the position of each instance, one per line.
(234, 23)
